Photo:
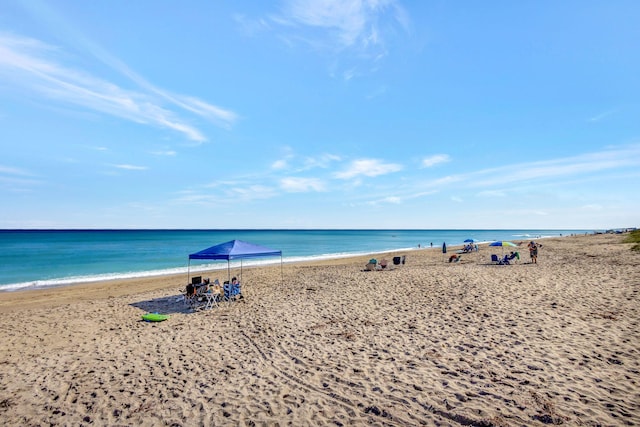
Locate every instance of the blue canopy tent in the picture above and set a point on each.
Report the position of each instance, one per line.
(234, 249)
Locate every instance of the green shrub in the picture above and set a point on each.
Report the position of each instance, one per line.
(633, 237)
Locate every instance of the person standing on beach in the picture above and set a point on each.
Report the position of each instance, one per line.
(533, 252)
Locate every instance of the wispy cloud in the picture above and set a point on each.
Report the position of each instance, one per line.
(302, 185)
(294, 163)
(347, 18)
(168, 153)
(17, 179)
(368, 167)
(493, 183)
(342, 25)
(498, 182)
(430, 161)
(9, 170)
(130, 167)
(394, 200)
(602, 116)
(491, 193)
(557, 168)
(280, 164)
(322, 161)
(250, 192)
(226, 195)
(37, 69)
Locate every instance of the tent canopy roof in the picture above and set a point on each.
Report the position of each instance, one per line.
(235, 249)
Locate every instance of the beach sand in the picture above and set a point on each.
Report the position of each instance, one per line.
(427, 343)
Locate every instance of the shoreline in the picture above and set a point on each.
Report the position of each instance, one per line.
(249, 263)
(42, 260)
(429, 343)
(113, 286)
(109, 288)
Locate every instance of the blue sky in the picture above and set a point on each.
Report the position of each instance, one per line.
(319, 114)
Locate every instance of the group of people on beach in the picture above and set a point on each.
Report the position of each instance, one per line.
(197, 288)
(469, 248)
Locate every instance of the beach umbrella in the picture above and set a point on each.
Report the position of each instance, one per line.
(444, 247)
(470, 241)
(502, 244)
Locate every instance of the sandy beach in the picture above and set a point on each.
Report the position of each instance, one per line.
(427, 343)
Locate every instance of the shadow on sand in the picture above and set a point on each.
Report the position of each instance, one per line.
(166, 305)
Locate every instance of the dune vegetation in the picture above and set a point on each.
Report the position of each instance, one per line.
(633, 237)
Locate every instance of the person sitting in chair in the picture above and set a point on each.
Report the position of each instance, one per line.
(236, 290)
(204, 286)
(191, 290)
(514, 255)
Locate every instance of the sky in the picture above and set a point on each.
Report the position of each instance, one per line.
(308, 114)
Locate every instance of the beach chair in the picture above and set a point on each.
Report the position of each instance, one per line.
(189, 294)
(399, 260)
(236, 290)
(231, 291)
(495, 259)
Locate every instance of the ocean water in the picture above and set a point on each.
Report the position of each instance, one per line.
(40, 258)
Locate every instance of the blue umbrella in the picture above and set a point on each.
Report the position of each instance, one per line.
(444, 248)
(470, 241)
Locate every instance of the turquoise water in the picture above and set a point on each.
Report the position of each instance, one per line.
(40, 258)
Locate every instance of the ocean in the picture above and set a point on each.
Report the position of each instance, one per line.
(41, 258)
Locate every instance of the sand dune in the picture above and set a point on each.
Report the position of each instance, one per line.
(428, 343)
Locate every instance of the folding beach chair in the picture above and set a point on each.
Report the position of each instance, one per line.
(231, 291)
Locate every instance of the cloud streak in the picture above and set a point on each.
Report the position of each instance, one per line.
(558, 168)
(30, 65)
(302, 185)
(496, 182)
(130, 167)
(369, 168)
(428, 162)
(360, 26)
